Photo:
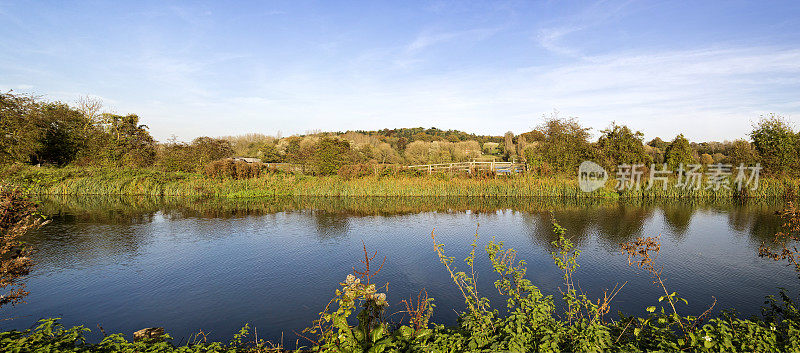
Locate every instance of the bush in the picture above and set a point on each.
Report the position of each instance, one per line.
(354, 171)
(17, 217)
(233, 169)
(531, 321)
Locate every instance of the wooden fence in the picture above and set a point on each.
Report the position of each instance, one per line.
(471, 167)
(462, 167)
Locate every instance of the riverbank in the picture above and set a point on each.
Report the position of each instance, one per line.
(98, 181)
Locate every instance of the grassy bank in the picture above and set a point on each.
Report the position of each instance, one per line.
(91, 181)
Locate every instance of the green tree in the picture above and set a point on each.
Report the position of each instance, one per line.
(128, 143)
(776, 143)
(330, 154)
(741, 151)
(679, 152)
(658, 143)
(209, 149)
(63, 135)
(269, 153)
(176, 156)
(565, 144)
(19, 129)
(619, 144)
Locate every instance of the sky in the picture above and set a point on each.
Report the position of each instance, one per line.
(707, 69)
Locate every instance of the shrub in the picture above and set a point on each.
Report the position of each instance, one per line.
(354, 171)
(17, 217)
(233, 169)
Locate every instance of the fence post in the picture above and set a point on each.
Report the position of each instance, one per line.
(430, 169)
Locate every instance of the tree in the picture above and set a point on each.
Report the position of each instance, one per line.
(269, 153)
(741, 152)
(776, 143)
(565, 144)
(64, 134)
(208, 149)
(17, 217)
(19, 129)
(91, 108)
(706, 159)
(176, 156)
(417, 152)
(330, 154)
(619, 144)
(521, 144)
(385, 154)
(658, 143)
(402, 142)
(128, 143)
(679, 152)
(509, 148)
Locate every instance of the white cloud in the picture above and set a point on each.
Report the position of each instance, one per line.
(552, 34)
(708, 94)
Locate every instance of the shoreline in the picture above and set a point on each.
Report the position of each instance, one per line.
(146, 182)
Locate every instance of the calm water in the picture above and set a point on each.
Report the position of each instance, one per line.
(129, 263)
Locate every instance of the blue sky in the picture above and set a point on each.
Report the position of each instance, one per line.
(707, 69)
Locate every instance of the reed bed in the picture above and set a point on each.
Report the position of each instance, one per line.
(82, 181)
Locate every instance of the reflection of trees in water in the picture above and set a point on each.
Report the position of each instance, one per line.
(330, 224)
(739, 219)
(622, 223)
(577, 221)
(678, 217)
(758, 219)
(614, 221)
(63, 244)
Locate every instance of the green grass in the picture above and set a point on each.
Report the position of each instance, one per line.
(95, 181)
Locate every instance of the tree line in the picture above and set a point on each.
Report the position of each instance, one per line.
(39, 132)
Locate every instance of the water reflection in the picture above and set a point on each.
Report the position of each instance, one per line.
(614, 221)
(214, 264)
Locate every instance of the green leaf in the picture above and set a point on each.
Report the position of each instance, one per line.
(376, 334)
(358, 334)
(406, 331)
(651, 309)
(424, 333)
(708, 344)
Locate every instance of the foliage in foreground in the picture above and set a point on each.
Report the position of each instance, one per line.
(531, 322)
(50, 336)
(17, 216)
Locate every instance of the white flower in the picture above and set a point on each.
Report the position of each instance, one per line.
(707, 338)
(350, 279)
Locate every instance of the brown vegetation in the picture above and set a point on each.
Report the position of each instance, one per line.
(17, 217)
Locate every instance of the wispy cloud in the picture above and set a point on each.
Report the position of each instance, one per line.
(428, 39)
(552, 34)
